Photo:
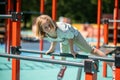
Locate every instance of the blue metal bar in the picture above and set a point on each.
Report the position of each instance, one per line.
(45, 60)
(2, 16)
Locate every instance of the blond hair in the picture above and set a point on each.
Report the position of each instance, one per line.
(40, 21)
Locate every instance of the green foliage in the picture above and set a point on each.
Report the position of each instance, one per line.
(80, 11)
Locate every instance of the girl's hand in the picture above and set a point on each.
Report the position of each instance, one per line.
(52, 48)
(71, 48)
(74, 53)
(49, 51)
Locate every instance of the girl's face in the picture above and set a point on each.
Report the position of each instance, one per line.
(47, 28)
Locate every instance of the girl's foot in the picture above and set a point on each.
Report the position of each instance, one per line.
(61, 73)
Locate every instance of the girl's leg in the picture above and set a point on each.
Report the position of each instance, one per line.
(100, 53)
(84, 46)
(63, 49)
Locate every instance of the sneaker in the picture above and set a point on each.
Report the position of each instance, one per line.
(61, 72)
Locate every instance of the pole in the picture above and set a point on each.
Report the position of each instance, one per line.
(98, 21)
(105, 26)
(115, 24)
(15, 43)
(54, 6)
(42, 8)
(105, 42)
(8, 26)
(42, 11)
(117, 65)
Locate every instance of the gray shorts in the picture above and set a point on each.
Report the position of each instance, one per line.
(80, 42)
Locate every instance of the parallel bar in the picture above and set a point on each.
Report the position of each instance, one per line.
(108, 59)
(53, 54)
(45, 60)
(2, 16)
(114, 20)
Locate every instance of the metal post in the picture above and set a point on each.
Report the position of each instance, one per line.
(42, 8)
(117, 64)
(15, 43)
(79, 73)
(105, 25)
(98, 22)
(115, 24)
(54, 7)
(91, 69)
(42, 11)
(9, 27)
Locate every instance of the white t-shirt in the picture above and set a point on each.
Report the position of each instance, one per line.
(64, 32)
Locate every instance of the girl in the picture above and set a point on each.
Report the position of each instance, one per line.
(64, 33)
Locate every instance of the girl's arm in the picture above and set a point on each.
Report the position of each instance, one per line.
(52, 47)
(71, 47)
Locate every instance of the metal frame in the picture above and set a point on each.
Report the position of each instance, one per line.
(92, 72)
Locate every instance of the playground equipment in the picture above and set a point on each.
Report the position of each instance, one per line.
(13, 33)
(108, 31)
(115, 20)
(53, 61)
(14, 41)
(115, 24)
(90, 65)
(108, 37)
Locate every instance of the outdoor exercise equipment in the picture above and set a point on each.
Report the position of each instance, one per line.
(80, 56)
(90, 69)
(16, 35)
(13, 39)
(18, 50)
(106, 22)
(45, 60)
(90, 65)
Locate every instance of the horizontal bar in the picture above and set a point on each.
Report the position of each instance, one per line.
(54, 54)
(108, 59)
(30, 12)
(2, 16)
(45, 60)
(114, 20)
(2, 3)
(111, 46)
(81, 56)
